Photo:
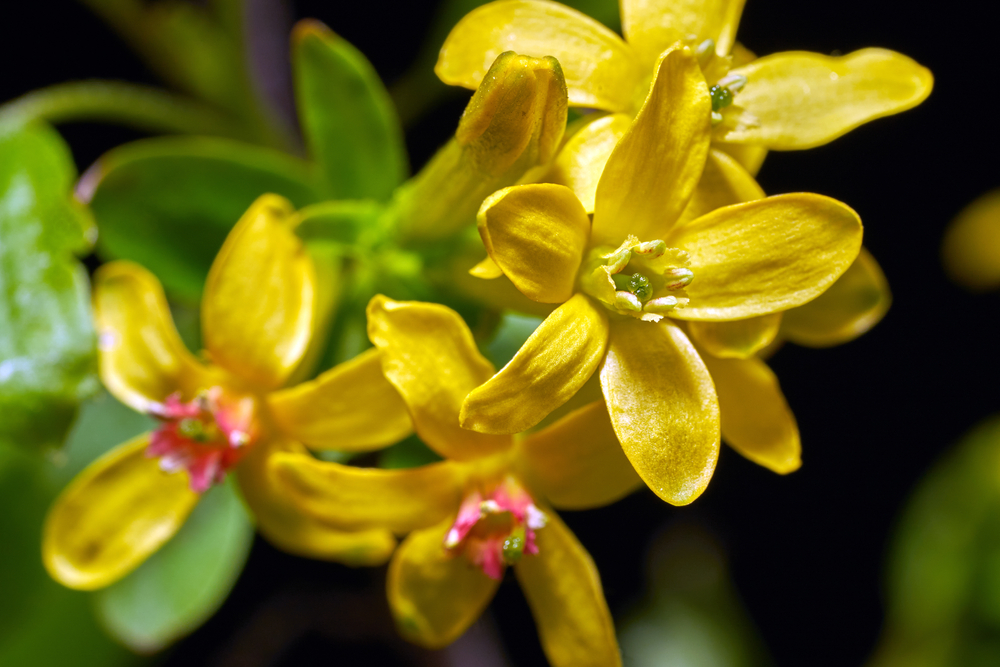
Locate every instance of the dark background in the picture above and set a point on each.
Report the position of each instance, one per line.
(807, 550)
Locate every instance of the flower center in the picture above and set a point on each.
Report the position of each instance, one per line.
(206, 436)
(716, 68)
(496, 530)
(641, 280)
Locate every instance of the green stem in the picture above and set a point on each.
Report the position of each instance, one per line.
(141, 107)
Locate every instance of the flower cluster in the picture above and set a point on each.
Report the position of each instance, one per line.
(664, 274)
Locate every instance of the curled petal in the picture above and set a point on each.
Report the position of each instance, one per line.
(435, 595)
(142, 359)
(766, 256)
(736, 339)
(288, 528)
(972, 244)
(257, 311)
(663, 407)
(601, 71)
(563, 589)
(651, 26)
(551, 366)
(536, 234)
(577, 462)
(429, 355)
(362, 498)
(802, 100)
(113, 516)
(351, 408)
(756, 419)
(581, 160)
(653, 170)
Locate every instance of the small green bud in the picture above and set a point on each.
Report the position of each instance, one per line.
(722, 97)
(640, 286)
(192, 429)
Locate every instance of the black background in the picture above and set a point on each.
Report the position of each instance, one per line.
(807, 550)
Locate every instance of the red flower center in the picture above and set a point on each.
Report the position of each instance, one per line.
(206, 436)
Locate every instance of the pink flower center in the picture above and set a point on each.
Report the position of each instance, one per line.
(495, 530)
(206, 436)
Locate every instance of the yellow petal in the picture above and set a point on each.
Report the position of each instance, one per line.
(766, 256)
(435, 596)
(142, 359)
(600, 69)
(748, 155)
(361, 498)
(972, 244)
(652, 172)
(563, 589)
(663, 407)
(285, 526)
(756, 419)
(551, 366)
(723, 183)
(581, 160)
(486, 269)
(351, 408)
(577, 462)
(800, 100)
(113, 516)
(536, 234)
(854, 304)
(257, 311)
(736, 339)
(429, 355)
(651, 26)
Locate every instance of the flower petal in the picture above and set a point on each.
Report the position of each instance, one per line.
(581, 160)
(748, 155)
(434, 595)
(577, 462)
(851, 306)
(142, 359)
(723, 183)
(551, 366)
(756, 419)
(802, 100)
(284, 525)
(563, 589)
(663, 407)
(351, 408)
(653, 171)
(113, 516)
(971, 246)
(651, 26)
(360, 498)
(536, 234)
(257, 311)
(765, 256)
(736, 339)
(601, 71)
(429, 355)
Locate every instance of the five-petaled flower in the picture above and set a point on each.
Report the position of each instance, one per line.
(485, 507)
(640, 259)
(257, 319)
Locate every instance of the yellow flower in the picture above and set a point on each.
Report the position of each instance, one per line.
(972, 244)
(483, 508)
(257, 317)
(639, 260)
(785, 101)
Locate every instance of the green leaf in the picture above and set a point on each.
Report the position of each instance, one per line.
(182, 584)
(339, 222)
(168, 203)
(349, 122)
(47, 353)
